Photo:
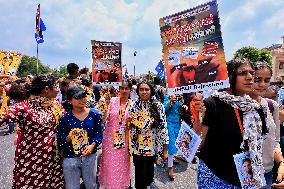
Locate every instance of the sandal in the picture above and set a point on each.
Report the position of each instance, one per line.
(171, 174)
(176, 161)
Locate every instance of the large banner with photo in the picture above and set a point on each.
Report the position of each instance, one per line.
(193, 50)
(9, 62)
(106, 64)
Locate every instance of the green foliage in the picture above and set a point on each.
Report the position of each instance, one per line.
(250, 53)
(265, 56)
(28, 66)
(63, 71)
(60, 72)
(253, 54)
(145, 76)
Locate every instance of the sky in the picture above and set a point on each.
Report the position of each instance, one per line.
(72, 24)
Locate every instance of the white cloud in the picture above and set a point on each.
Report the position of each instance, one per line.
(246, 38)
(248, 10)
(276, 20)
(71, 25)
(146, 59)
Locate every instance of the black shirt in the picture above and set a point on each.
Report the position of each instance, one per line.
(223, 139)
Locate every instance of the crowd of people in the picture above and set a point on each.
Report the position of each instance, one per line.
(70, 131)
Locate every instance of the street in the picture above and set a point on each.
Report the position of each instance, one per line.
(185, 173)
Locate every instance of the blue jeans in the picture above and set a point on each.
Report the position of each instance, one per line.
(74, 167)
(268, 178)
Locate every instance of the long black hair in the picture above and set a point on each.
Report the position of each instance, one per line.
(18, 92)
(153, 109)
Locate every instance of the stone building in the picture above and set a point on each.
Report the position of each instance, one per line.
(277, 52)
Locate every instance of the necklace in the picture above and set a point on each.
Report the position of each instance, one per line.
(122, 110)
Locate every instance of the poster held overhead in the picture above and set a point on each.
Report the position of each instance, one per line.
(106, 65)
(193, 50)
(9, 62)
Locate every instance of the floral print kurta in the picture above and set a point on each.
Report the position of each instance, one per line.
(159, 134)
(36, 163)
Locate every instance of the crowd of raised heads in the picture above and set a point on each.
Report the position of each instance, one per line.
(70, 130)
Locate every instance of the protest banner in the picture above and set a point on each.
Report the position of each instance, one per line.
(106, 65)
(245, 173)
(187, 142)
(79, 140)
(9, 62)
(193, 50)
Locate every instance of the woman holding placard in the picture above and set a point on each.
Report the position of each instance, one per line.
(79, 134)
(149, 135)
(233, 123)
(114, 169)
(172, 108)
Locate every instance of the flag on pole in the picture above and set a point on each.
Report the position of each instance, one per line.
(160, 70)
(125, 76)
(40, 27)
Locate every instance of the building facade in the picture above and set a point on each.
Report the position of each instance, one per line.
(278, 61)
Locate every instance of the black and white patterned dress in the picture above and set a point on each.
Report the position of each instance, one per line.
(159, 134)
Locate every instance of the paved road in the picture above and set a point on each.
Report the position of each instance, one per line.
(185, 173)
(7, 150)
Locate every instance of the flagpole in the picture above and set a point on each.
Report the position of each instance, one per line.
(134, 68)
(135, 53)
(37, 58)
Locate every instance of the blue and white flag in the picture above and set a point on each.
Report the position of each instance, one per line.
(160, 70)
(40, 27)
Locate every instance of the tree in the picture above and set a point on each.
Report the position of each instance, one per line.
(59, 72)
(150, 74)
(250, 53)
(265, 56)
(28, 66)
(253, 54)
(62, 71)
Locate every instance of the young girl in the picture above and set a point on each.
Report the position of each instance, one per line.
(271, 146)
(79, 134)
